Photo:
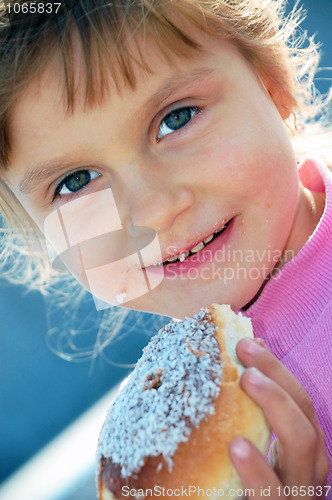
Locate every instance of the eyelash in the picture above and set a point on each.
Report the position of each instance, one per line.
(194, 111)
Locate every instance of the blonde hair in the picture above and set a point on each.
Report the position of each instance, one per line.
(268, 39)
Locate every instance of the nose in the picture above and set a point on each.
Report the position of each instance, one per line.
(155, 199)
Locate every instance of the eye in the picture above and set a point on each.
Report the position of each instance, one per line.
(75, 182)
(177, 119)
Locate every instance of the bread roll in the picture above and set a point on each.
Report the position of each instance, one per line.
(168, 431)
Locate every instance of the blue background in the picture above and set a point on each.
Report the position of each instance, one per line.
(41, 393)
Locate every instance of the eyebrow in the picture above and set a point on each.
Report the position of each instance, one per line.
(39, 173)
(176, 82)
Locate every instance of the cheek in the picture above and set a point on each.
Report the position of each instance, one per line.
(243, 171)
(219, 164)
(258, 179)
(277, 181)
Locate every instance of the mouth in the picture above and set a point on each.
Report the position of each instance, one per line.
(181, 257)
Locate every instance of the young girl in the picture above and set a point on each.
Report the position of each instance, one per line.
(178, 117)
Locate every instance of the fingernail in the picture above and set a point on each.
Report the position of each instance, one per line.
(251, 347)
(260, 341)
(240, 448)
(255, 377)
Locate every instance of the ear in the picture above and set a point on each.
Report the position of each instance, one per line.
(281, 97)
(283, 104)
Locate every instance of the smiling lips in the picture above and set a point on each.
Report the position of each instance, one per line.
(199, 246)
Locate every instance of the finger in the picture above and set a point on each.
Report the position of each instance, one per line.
(256, 475)
(297, 437)
(253, 353)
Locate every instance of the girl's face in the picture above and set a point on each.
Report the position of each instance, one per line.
(189, 150)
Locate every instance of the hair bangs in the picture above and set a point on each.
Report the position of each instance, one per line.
(111, 41)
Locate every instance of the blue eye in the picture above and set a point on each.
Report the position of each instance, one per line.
(177, 119)
(75, 182)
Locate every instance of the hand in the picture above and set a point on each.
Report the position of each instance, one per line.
(298, 456)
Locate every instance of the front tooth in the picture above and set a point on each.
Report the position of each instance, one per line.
(172, 259)
(197, 248)
(208, 239)
(183, 255)
(220, 229)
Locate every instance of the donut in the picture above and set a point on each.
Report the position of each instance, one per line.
(168, 430)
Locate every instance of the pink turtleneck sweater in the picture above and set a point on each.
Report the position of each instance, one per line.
(293, 314)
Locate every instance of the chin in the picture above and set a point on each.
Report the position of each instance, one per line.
(179, 303)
